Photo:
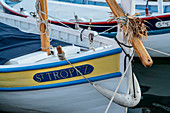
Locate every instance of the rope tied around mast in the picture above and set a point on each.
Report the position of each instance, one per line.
(40, 20)
(135, 27)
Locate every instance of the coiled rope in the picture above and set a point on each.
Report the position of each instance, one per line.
(43, 21)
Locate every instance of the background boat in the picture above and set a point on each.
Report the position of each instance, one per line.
(140, 4)
(98, 14)
(158, 30)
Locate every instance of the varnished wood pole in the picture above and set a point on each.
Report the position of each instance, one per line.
(45, 44)
(136, 42)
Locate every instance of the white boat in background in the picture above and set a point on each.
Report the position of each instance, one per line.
(76, 78)
(85, 15)
(159, 27)
(140, 4)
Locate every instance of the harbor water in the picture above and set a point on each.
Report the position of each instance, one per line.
(155, 86)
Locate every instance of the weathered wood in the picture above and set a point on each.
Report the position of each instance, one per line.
(136, 42)
(45, 44)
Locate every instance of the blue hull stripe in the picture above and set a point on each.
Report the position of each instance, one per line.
(157, 32)
(92, 79)
(153, 32)
(61, 63)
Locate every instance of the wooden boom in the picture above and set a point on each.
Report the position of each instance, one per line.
(45, 44)
(136, 42)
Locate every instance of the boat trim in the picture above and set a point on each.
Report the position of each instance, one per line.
(61, 63)
(9, 9)
(102, 22)
(154, 32)
(56, 85)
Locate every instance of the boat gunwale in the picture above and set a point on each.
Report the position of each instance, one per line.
(10, 9)
(165, 15)
(7, 69)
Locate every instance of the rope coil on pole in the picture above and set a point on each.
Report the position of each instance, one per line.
(45, 22)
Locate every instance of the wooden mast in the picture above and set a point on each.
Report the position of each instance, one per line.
(45, 44)
(136, 42)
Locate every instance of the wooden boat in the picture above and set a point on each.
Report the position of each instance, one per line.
(140, 4)
(67, 79)
(71, 78)
(77, 13)
(158, 24)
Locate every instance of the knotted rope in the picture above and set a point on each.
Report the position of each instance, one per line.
(135, 26)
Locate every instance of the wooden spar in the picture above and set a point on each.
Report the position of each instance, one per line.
(45, 44)
(136, 42)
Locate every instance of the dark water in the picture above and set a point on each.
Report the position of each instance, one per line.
(155, 85)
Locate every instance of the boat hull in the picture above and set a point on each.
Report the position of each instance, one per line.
(23, 90)
(141, 5)
(155, 22)
(71, 99)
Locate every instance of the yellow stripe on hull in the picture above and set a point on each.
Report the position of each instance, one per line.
(104, 65)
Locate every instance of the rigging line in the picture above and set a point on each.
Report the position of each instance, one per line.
(167, 54)
(79, 31)
(119, 83)
(45, 21)
(126, 109)
(79, 72)
(67, 26)
(108, 29)
(111, 27)
(133, 82)
(157, 18)
(59, 20)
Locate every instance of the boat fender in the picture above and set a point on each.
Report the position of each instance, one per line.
(126, 100)
(146, 9)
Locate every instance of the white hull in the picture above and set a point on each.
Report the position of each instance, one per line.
(158, 42)
(81, 98)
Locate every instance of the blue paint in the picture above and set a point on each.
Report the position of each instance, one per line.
(81, 81)
(153, 32)
(63, 73)
(157, 32)
(153, 8)
(61, 63)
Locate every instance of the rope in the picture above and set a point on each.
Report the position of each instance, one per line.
(80, 72)
(108, 29)
(48, 25)
(126, 109)
(43, 21)
(61, 22)
(119, 84)
(91, 37)
(158, 51)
